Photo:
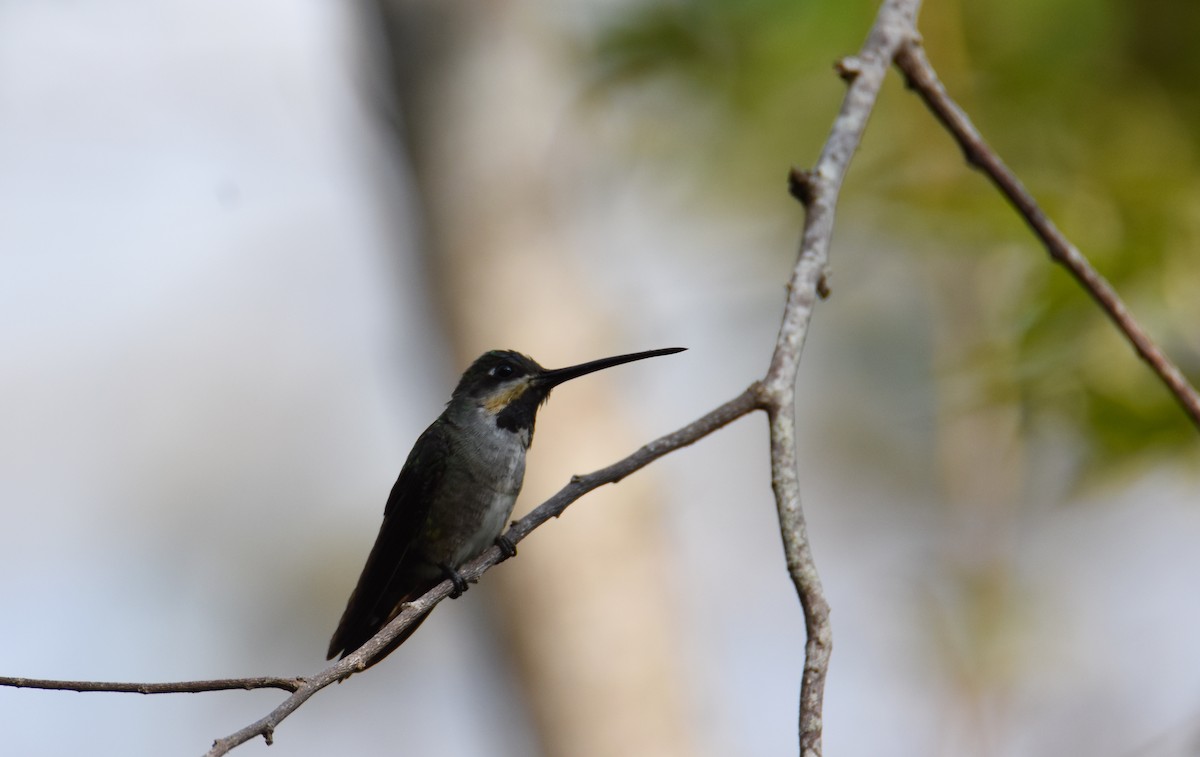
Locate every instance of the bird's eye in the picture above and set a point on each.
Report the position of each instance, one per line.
(502, 371)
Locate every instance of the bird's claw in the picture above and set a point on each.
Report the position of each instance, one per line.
(460, 583)
(507, 548)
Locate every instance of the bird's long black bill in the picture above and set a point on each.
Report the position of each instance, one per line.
(553, 378)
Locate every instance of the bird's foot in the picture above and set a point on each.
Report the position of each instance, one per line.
(507, 548)
(460, 583)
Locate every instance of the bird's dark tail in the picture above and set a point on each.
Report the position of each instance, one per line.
(340, 648)
(359, 624)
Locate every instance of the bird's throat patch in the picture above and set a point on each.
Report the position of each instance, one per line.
(505, 397)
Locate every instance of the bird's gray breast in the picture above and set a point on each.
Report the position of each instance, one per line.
(481, 488)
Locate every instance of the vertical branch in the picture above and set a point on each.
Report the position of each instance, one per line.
(818, 191)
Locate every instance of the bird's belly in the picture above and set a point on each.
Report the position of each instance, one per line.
(492, 517)
(474, 509)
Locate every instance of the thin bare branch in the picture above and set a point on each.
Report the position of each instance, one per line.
(746, 402)
(818, 191)
(911, 60)
(177, 687)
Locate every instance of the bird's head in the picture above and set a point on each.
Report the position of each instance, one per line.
(499, 378)
(510, 386)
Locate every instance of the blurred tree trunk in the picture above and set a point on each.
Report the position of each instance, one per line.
(585, 609)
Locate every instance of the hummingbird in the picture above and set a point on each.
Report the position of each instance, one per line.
(456, 490)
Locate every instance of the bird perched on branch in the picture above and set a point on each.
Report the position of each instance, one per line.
(456, 491)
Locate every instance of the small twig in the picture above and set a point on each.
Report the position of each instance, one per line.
(912, 62)
(177, 687)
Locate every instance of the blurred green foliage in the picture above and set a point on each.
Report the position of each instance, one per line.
(1094, 103)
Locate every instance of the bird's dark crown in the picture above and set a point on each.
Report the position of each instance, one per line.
(496, 369)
